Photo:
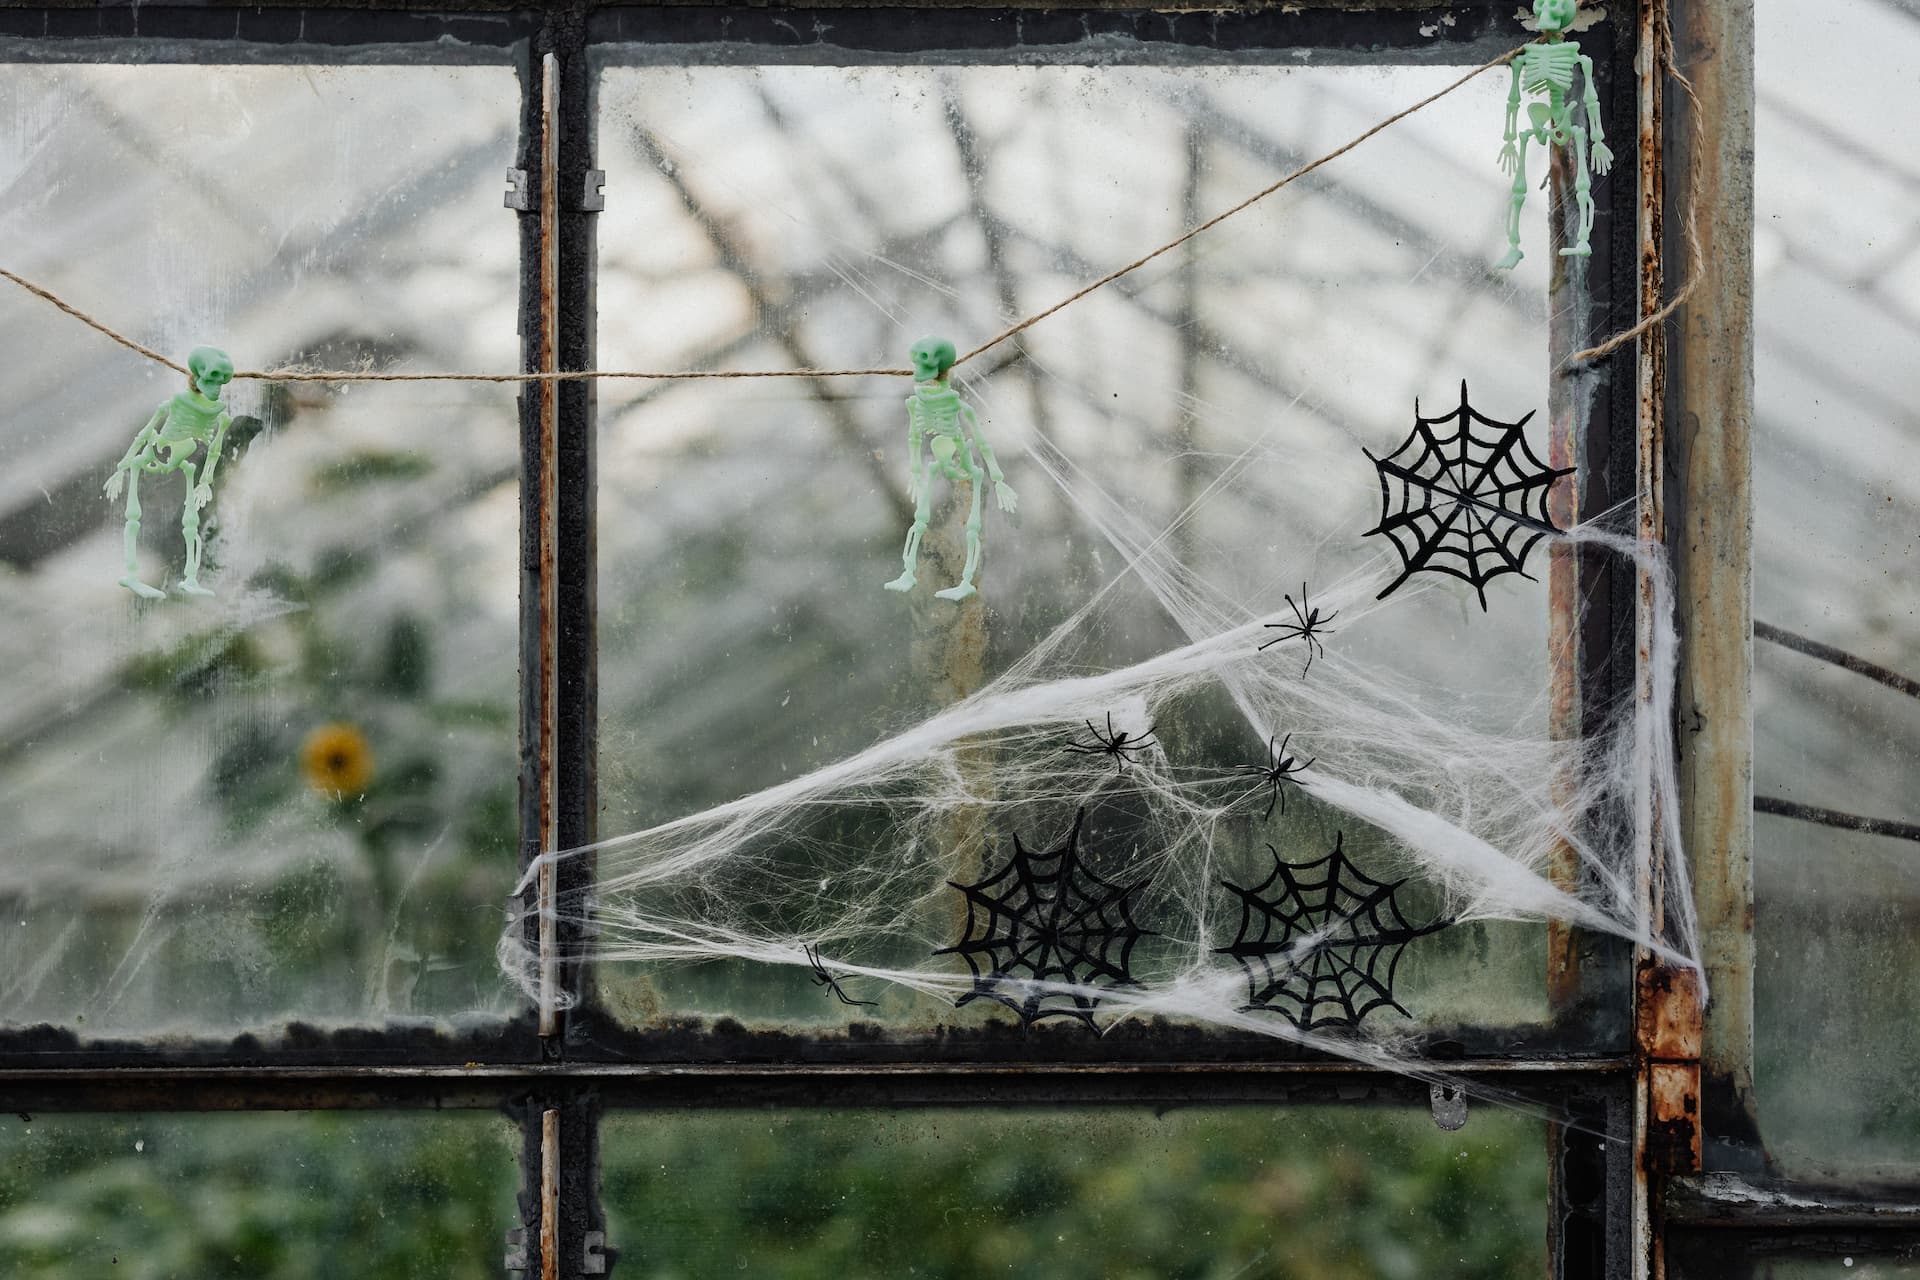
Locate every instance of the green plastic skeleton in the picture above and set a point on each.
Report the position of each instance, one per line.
(167, 443)
(938, 417)
(1548, 68)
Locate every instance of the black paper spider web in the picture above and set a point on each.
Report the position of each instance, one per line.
(1043, 918)
(1471, 502)
(1321, 936)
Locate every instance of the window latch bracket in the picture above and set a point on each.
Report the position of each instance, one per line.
(593, 1254)
(586, 198)
(516, 1259)
(592, 199)
(1449, 1106)
(519, 191)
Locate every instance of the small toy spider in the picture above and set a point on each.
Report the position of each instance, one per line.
(1309, 625)
(821, 978)
(1111, 743)
(1280, 768)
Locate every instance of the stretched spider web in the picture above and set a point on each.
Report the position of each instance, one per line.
(1320, 942)
(1044, 919)
(1469, 502)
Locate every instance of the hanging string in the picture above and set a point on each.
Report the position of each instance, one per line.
(48, 295)
(585, 375)
(1251, 200)
(1697, 137)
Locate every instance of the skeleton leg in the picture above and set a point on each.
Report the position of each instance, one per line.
(911, 555)
(1583, 192)
(1514, 206)
(964, 588)
(132, 581)
(190, 530)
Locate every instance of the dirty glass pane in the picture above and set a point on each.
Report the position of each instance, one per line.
(1837, 450)
(1109, 1194)
(295, 797)
(782, 217)
(268, 1197)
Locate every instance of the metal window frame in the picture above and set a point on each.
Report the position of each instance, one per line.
(558, 759)
(1646, 1062)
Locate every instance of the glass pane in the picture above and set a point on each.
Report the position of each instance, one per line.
(1836, 450)
(1191, 1193)
(269, 1197)
(782, 217)
(294, 797)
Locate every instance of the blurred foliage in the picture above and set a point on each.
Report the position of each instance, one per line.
(1306, 1194)
(266, 1197)
(368, 878)
(436, 857)
(1121, 1194)
(368, 466)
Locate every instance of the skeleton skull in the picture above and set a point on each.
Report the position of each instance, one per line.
(1554, 15)
(931, 358)
(211, 370)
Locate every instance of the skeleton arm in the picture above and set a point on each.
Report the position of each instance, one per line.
(1510, 154)
(203, 492)
(1602, 153)
(135, 452)
(1002, 491)
(916, 471)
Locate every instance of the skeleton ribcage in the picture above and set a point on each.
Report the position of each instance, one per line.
(1551, 67)
(936, 419)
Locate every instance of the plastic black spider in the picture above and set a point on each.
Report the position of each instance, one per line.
(1309, 625)
(1111, 743)
(821, 978)
(1280, 768)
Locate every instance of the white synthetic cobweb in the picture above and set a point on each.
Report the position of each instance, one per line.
(857, 859)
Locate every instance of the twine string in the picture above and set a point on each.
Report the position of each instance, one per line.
(47, 295)
(357, 375)
(1255, 198)
(291, 374)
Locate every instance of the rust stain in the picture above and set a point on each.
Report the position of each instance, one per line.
(1668, 1042)
(550, 1194)
(1673, 1119)
(1669, 1013)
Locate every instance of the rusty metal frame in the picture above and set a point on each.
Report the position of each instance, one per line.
(1709, 497)
(1703, 1200)
(1543, 1085)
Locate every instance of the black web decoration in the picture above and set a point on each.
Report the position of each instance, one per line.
(1320, 942)
(1042, 918)
(1111, 743)
(821, 978)
(1469, 502)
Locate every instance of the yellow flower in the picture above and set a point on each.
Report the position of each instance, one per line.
(337, 760)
